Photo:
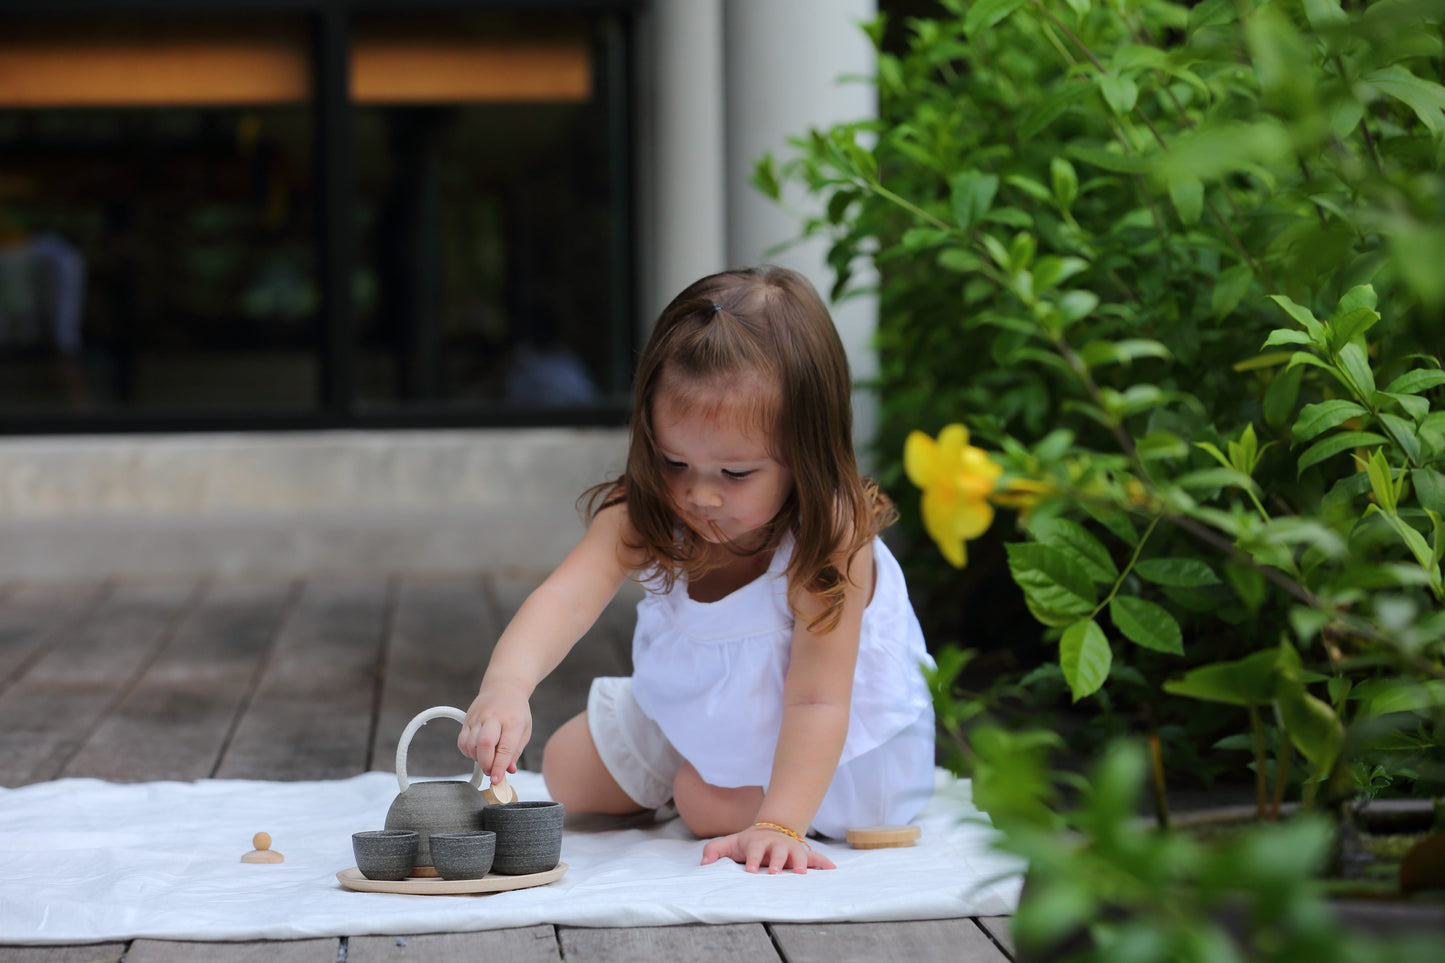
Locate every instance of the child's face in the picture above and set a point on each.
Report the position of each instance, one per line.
(718, 469)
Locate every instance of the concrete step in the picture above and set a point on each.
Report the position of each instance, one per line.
(296, 503)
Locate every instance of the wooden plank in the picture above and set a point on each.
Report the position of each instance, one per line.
(268, 951)
(606, 650)
(34, 616)
(88, 953)
(695, 943)
(1000, 929)
(442, 636)
(175, 722)
(311, 716)
(51, 710)
(530, 944)
(906, 942)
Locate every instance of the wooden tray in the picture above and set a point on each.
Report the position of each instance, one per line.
(436, 886)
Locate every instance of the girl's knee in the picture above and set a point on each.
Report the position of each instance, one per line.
(575, 775)
(709, 810)
(562, 757)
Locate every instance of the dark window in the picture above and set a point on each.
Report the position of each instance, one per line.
(179, 202)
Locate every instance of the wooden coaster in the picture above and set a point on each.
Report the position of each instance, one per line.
(883, 837)
(502, 792)
(263, 853)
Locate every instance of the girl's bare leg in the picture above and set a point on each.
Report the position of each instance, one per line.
(710, 810)
(575, 775)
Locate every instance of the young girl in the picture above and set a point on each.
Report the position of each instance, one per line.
(777, 683)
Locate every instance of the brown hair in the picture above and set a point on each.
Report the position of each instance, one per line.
(769, 321)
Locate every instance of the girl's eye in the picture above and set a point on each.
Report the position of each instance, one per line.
(736, 475)
(671, 465)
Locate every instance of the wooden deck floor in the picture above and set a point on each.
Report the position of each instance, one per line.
(315, 679)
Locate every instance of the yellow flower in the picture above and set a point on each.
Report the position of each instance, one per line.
(1023, 494)
(957, 480)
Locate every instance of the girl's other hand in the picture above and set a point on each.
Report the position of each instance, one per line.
(496, 730)
(755, 847)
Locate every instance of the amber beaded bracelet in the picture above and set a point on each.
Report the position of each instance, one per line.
(785, 831)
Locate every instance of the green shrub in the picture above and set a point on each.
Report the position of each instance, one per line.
(1086, 219)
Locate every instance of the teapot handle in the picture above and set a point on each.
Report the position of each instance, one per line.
(422, 718)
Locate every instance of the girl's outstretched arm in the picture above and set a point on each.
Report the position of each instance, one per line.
(549, 623)
(816, 696)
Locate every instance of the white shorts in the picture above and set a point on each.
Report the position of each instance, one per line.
(632, 747)
(885, 786)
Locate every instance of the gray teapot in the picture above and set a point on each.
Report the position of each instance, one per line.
(439, 806)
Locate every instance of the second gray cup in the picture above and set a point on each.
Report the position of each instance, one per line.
(529, 835)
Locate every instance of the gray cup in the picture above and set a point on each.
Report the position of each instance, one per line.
(463, 855)
(385, 853)
(529, 835)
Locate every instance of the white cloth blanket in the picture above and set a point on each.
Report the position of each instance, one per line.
(83, 860)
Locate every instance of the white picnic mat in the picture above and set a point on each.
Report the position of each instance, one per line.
(84, 860)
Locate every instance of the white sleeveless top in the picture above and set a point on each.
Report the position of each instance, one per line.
(711, 675)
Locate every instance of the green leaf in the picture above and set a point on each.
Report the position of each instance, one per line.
(1120, 93)
(1355, 363)
(1077, 542)
(1416, 381)
(1230, 288)
(1313, 726)
(1424, 97)
(1065, 182)
(1303, 315)
(1382, 482)
(1250, 681)
(1281, 395)
(1335, 444)
(1115, 521)
(1108, 160)
(1404, 434)
(1325, 14)
(1414, 406)
(1350, 326)
(1046, 111)
(1381, 697)
(1051, 271)
(960, 260)
(1187, 194)
(1429, 488)
(1077, 304)
(986, 13)
(972, 193)
(1159, 445)
(1051, 579)
(1097, 353)
(1248, 585)
(1176, 572)
(765, 177)
(1147, 624)
(1085, 657)
(1288, 336)
(1359, 296)
(1215, 478)
(1323, 416)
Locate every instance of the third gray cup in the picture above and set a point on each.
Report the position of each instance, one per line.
(529, 835)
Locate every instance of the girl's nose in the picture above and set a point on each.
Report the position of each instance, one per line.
(704, 496)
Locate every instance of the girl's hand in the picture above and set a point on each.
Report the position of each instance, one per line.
(496, 730)
(755, 846)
